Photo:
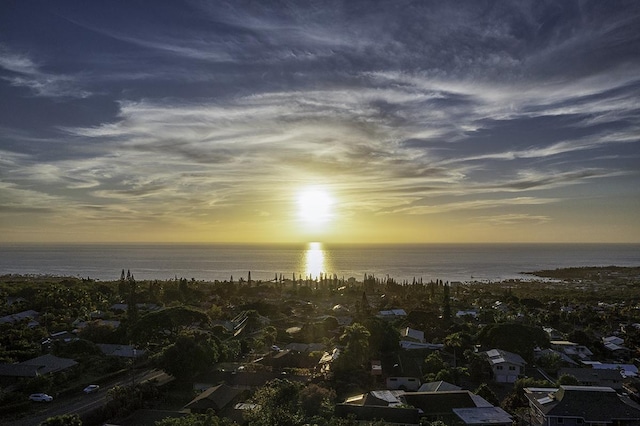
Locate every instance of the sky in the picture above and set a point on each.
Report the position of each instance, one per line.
(346, 121)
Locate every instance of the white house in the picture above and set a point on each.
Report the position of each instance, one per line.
(507, 367)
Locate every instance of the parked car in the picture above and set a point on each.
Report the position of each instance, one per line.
(40, 397)
(91, 389)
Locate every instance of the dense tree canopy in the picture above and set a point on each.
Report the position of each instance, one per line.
(277, 405)
(63, 420)
(196, 420)
(189, 355)
(167, 323)
(513, 337)
(355, 339)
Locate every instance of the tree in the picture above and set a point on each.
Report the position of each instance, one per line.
(517, 399)
(513, 337)
(485, 391)
(433, 363)
(63, 420)
(132, 301)
(188, 356)
(479, 369)
(196, 420)
(277, 404)
(167, 323)
(456, 343)
(452, 375)
(446, 304)
(355, 339)
(384, 338)
(568, 380)
(316, 400)
(551, 362)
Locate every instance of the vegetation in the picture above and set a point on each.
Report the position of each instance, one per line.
(222, 330)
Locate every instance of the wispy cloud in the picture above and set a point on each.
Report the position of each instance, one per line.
(24, 72)
(208, 111)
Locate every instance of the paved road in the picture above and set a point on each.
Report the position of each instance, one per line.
(81, 403)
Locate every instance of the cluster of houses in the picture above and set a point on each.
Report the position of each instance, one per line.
(603, 396)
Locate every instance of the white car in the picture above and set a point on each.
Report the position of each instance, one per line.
(91, 389)
(40, 397)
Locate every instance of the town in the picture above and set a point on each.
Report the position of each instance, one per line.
(560, 348)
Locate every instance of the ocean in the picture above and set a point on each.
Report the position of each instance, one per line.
(210, 262)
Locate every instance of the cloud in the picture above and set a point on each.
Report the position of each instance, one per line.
(515, 219)
(227, 107)
(24, 72)
(473, 205)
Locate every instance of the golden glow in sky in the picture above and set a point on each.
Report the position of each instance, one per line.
(312, 130)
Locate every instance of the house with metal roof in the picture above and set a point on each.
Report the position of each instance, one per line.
(506, 367)
(580, 405)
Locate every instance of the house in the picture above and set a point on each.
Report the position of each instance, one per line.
(564, 358)
(483, 416)
(627, 370)
(403, 383)
(595, 377)
(122, 351)
(553, 333)
(216, 398)
(440, 386)
(30, 316)
(412, 335)
(440, 405)
(414, 339)
(383, 398)
(506, 367)
(392, 314)
(324, 364)
(15, 300)
(60, 336)
(409, 345)
(615, 346)
(305, 347)
(571, 349)
(39, 366)
(472, 313)
(580, 405)
(392, 407)
(376, 367)
(613, 339)
(370, 413)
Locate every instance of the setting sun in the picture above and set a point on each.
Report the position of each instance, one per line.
(315, 206)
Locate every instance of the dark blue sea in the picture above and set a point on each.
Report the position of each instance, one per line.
(448, 262)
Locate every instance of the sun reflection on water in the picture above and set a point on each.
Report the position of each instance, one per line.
(315, 261)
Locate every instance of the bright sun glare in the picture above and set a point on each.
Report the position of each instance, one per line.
(314, 206)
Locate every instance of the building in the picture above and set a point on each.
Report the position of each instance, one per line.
(411, 334)
(595, 377)
(411, 408)
(572, 350)
(216, 398)
(40, 366)
(483, 416)
(403, 383)
(392, 314)
(580, 405)
(440, 386)
(506, 367)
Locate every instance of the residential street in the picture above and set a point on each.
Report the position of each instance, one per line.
(82, 403)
